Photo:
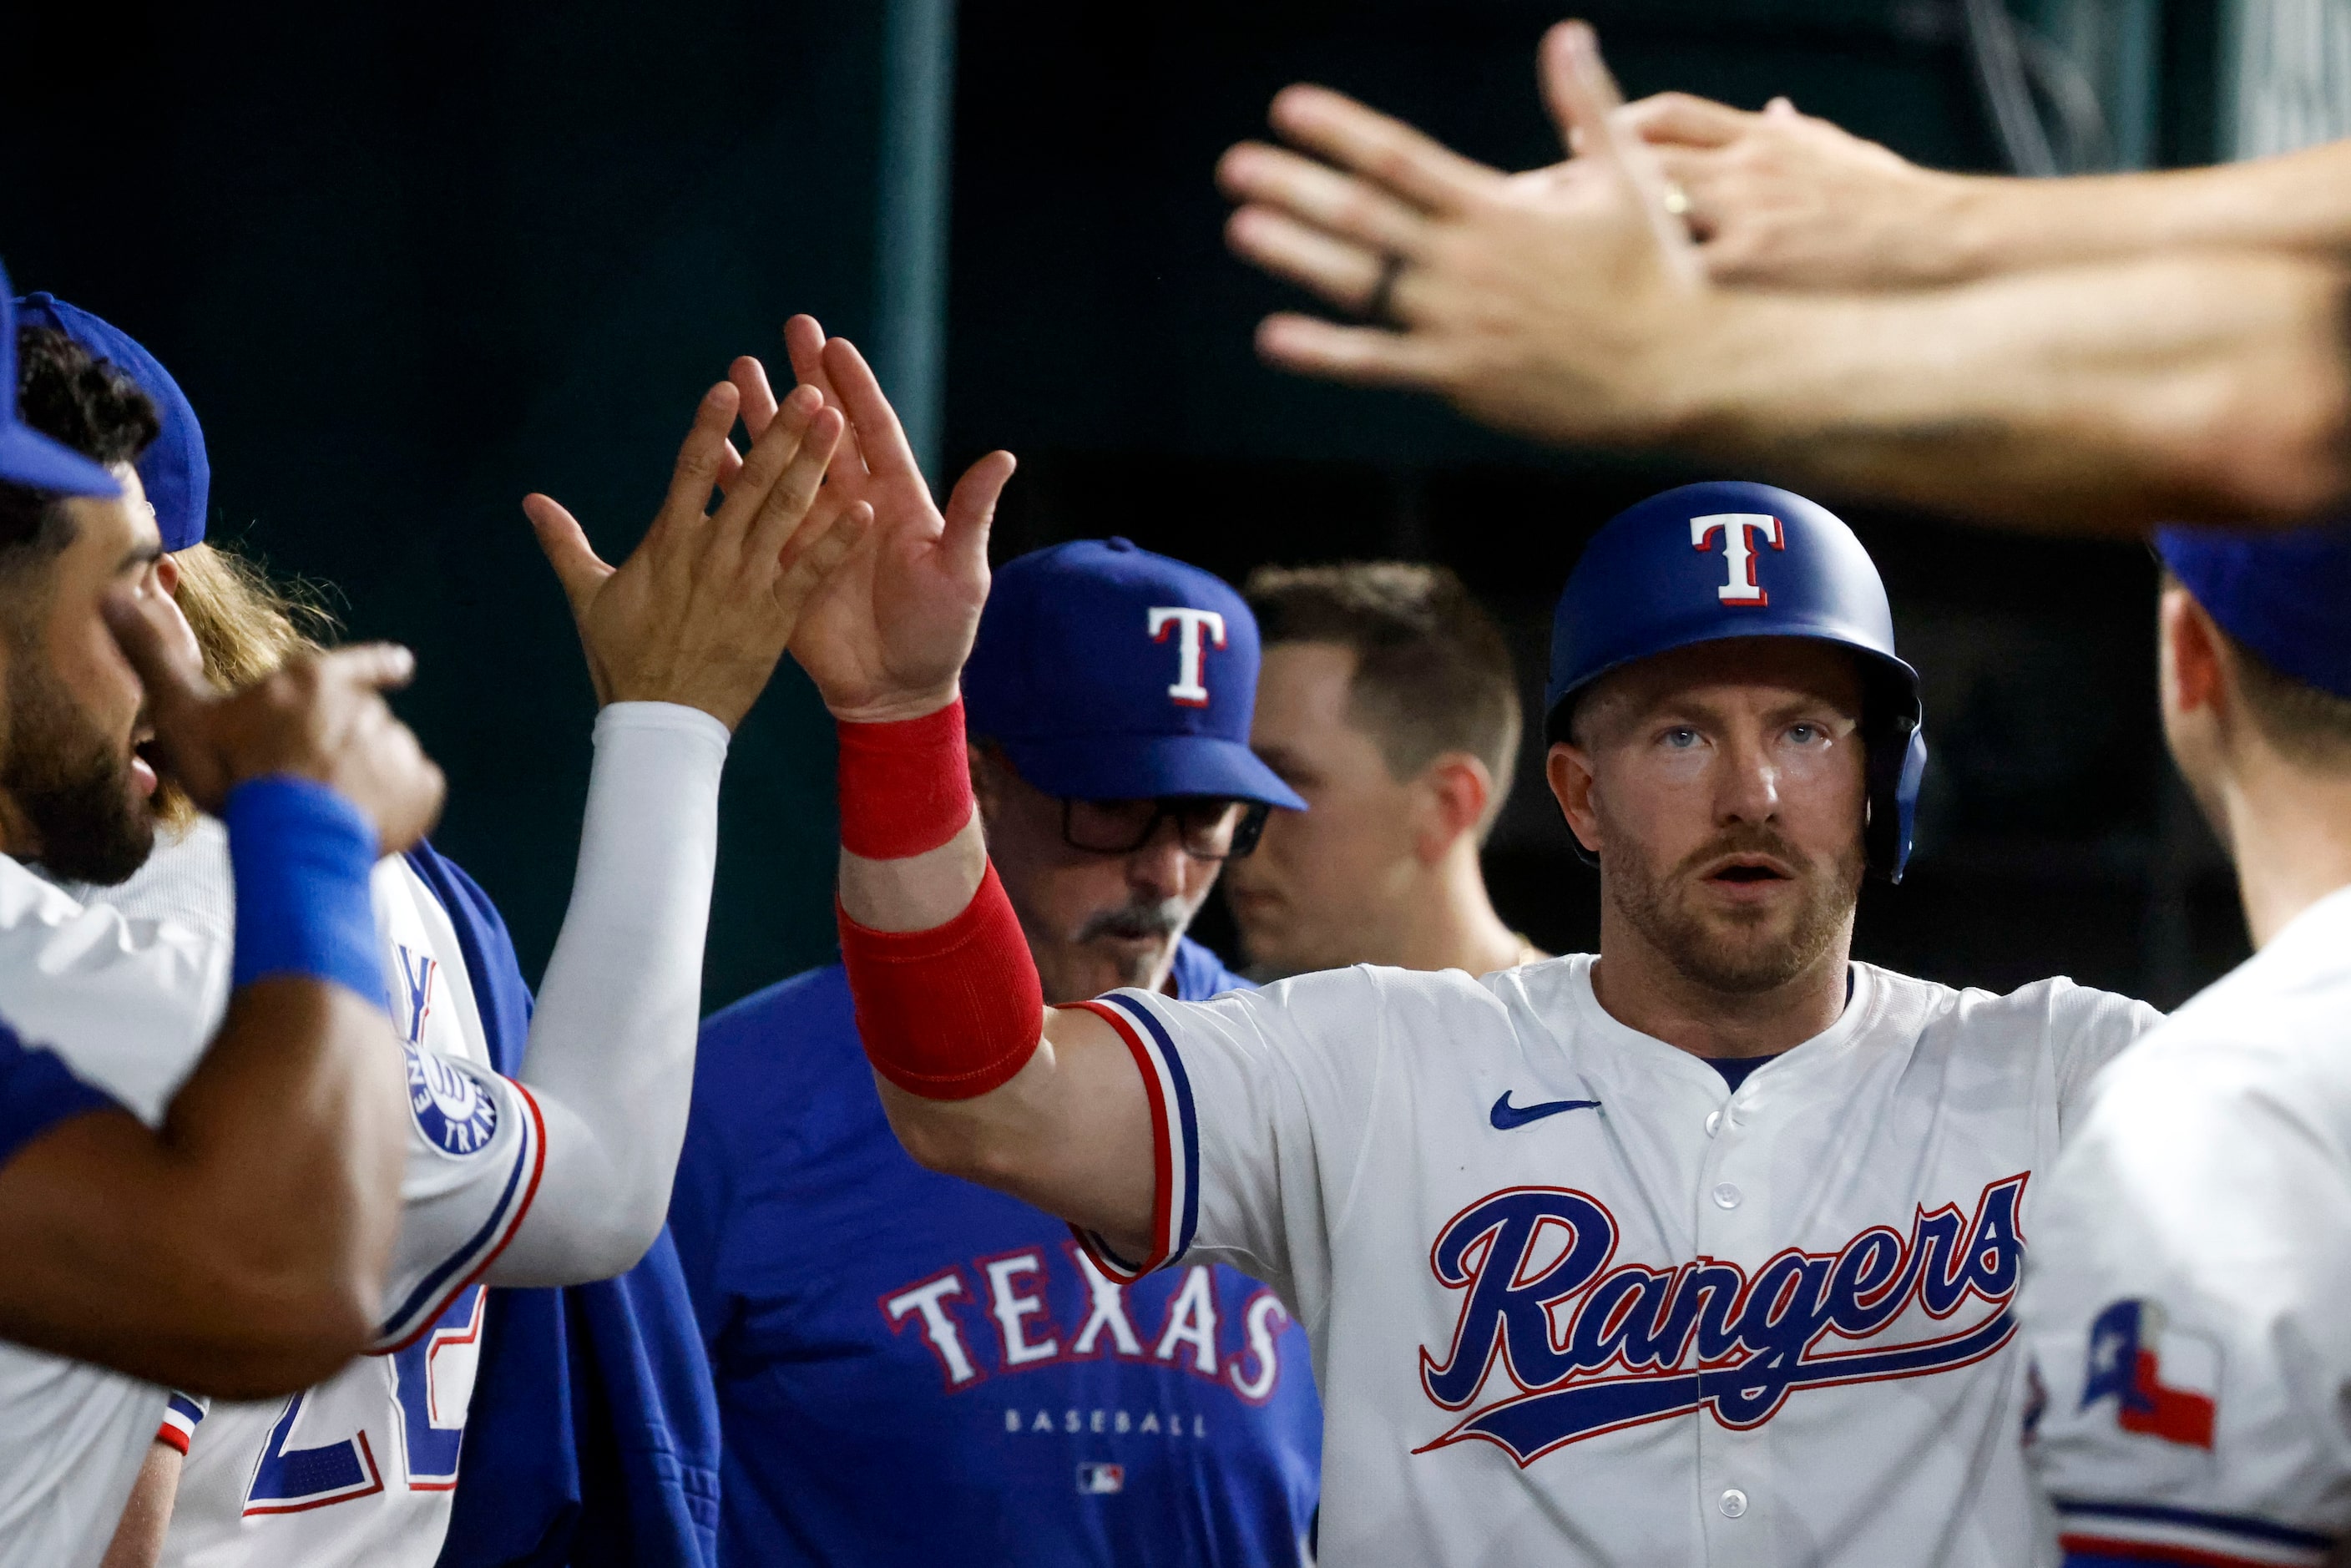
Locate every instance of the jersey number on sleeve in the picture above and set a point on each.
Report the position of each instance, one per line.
(432, 1384)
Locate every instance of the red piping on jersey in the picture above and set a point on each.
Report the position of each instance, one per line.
(2159, 1551)
(1163, 1160)
(522, 1210)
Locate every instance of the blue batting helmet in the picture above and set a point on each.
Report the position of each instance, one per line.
(1730, 559)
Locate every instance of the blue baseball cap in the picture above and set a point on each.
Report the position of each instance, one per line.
(26, 456)
(1107, 673)
(174, 471)
(2284, 595)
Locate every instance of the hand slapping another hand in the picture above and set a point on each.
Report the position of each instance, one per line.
(1549, 302)
(703, 608)
(885, 638)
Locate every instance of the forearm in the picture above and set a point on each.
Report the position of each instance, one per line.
(2111, 397)
(611, 1055)
(240, 1251)
(138, 1539)
(2296, 202)
(978, 1078)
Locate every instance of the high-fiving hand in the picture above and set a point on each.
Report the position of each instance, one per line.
(1780, 200)
(704, 607)
(885, 638)
(1550, 302)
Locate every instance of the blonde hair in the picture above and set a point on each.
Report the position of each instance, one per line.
(246, 626)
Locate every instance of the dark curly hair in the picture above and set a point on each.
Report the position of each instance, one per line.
(89, 405)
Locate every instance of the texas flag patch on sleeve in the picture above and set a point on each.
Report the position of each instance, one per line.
(2165, 1383)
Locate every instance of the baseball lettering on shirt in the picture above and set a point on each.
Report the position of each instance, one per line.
(1232, 1342)
(1738, 530)
(1195, 629)
(1702, 1336)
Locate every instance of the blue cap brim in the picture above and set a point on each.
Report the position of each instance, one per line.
(1148, 767)
(29, 458)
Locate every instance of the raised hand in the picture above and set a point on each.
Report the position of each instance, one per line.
(320, 717)
(1543, 302)
(885, 638)
(705, 604)
(1782, 200)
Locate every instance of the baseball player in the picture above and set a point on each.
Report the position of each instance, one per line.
(231, 1230)
(1698, 1250)
(560, 1173)
(1388, 703)
(878, 1331)
(2185, 1318)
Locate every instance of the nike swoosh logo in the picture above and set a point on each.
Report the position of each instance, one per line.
(1506, 1116)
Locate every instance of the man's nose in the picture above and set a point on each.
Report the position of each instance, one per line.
(1747, 783)
(1158, 867)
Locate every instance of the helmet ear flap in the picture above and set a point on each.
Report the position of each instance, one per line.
(1897, 764)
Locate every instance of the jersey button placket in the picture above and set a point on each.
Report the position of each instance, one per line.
(1733, 1464)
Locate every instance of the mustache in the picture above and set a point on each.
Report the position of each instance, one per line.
(1133, 921)
(1747, 839)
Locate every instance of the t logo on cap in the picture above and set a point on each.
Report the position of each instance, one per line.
(1188, 688)
(1736, 528)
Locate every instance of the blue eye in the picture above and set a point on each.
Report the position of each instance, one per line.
(1681, 737)
(1805, 734)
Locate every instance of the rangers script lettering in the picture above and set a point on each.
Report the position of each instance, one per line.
(1752, 1339)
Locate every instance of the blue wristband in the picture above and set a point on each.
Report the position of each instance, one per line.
(302, 855)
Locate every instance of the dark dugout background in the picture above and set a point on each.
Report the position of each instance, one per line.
(411, 262)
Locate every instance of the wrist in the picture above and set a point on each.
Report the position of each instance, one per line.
(1976, 225)
(897, 707)
(906, 784)
(303, 856)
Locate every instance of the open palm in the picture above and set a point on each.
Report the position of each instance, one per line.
(886, 636)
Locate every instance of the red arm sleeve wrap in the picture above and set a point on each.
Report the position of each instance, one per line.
(952, 1012)
(905, 787)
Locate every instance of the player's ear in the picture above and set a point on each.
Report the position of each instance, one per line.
(1455, 790)
(2194, 669)
(1569, 772)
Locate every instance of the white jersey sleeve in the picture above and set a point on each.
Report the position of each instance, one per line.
(2186, 1327)
(2086, 1029)
(1260, 1104)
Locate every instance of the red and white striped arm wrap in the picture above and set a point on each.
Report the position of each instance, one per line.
(1174, 1139)
(955, 1011)
(181, 1415)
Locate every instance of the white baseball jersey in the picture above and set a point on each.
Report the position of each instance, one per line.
(106, 994)
(264, 1479)
(1574, 1301)
(2189, 1318)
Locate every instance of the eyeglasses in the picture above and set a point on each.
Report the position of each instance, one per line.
(1209, 828)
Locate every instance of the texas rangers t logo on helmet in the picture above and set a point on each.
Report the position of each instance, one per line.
(1190, 626)
(1736, 528)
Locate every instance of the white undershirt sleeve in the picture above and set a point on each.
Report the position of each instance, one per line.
(611, 1056)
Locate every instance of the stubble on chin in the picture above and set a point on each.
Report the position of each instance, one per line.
(1750, 952)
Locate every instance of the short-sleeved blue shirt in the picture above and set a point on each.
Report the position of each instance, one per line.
(915, 1370)
(37, 1091)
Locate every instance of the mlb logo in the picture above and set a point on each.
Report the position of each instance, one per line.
(1101, 1480)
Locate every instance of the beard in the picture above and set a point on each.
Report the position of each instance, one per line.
(1744, 952)
(71, 784)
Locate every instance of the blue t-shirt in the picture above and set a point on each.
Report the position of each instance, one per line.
(915, 1370)
(37, 1091)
